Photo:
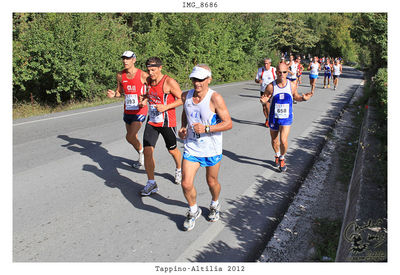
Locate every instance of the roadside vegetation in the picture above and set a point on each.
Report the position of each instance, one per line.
(65, 59)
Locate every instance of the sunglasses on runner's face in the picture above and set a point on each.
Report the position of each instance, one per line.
(198, 80)
(281, 72)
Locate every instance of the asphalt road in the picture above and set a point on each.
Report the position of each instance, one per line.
(76, 197)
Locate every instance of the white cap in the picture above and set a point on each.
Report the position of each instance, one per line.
(128, 54)
(200, 73)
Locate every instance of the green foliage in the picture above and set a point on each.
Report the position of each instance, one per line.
(290, 34)
(370, 31)
(380, 85)
(60, 57)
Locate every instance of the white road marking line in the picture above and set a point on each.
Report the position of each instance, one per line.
(79, 113)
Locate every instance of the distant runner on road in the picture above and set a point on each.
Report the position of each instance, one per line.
(337, 71)
(300, 69)
(204, 117)
(265, 75)
(132, 82)
(282, 93)
(327, 72)
(314, 68)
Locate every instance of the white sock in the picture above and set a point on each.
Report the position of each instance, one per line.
(178, 169)
(141, 151)
(278, 154)
(193, 208)
(282, 157)
(214, 203)
(151, 181)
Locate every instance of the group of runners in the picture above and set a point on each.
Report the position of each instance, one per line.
(278, 93)
(205, 116)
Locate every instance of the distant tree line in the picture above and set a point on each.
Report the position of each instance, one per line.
(59, 57)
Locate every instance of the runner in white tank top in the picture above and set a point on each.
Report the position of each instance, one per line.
(265, 75)
(205, 144)
(204, 117)
(337, 70)
(314, 68)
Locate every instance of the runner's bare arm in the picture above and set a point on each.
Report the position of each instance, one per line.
(171, 87)
(183, 131)
(296, 96)
(217, 104)
(267, 94)
(118, 91)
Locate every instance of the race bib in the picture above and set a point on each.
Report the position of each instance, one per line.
(131, 102)
(281, 111)
(154, 115)
(192, 135)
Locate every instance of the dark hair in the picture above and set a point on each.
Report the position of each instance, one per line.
(155, 61)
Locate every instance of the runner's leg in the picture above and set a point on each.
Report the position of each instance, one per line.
(284, 134)
(132, 134)
(149, 162)
(189, 170)
(212, 180)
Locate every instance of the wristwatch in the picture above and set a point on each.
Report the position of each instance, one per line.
(207, 129)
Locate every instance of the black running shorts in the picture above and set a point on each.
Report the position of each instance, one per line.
(151, 134)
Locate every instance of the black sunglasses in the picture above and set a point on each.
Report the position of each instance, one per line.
(197, 80)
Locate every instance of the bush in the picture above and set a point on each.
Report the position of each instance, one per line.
(60, 57)
(380, 85)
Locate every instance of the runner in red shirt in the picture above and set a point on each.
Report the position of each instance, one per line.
(163, 97)
(132, 82)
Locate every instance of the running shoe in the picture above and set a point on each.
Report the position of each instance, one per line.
(213, 216)
(266, 123)
(178, 176)
(140, 161)
(149, 189)
(329, 86)
(282, 165)
(190, 220)
(276, 161)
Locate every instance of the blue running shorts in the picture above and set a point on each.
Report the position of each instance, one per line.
(204, 161)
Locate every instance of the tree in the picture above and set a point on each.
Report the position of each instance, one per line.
(290, 34)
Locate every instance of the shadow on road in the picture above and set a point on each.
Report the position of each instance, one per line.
(255, 123)
(253, 219)
(113, 179)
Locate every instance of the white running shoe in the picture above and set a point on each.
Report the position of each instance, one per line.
(149, 189)
(140, 161)
(190, 220)
(178, 176)
(213, 216)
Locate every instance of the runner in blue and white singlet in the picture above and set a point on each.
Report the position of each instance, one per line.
(282, 93)
(204, 118)
(203, 145)
(281, 111)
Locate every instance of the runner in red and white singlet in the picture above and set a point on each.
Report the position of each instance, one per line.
(163, 97)
(157, 96)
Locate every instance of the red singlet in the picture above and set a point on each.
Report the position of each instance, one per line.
(133, 88)
(157, 96)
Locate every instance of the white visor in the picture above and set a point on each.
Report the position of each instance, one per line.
(200, 73)
(128, 54)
